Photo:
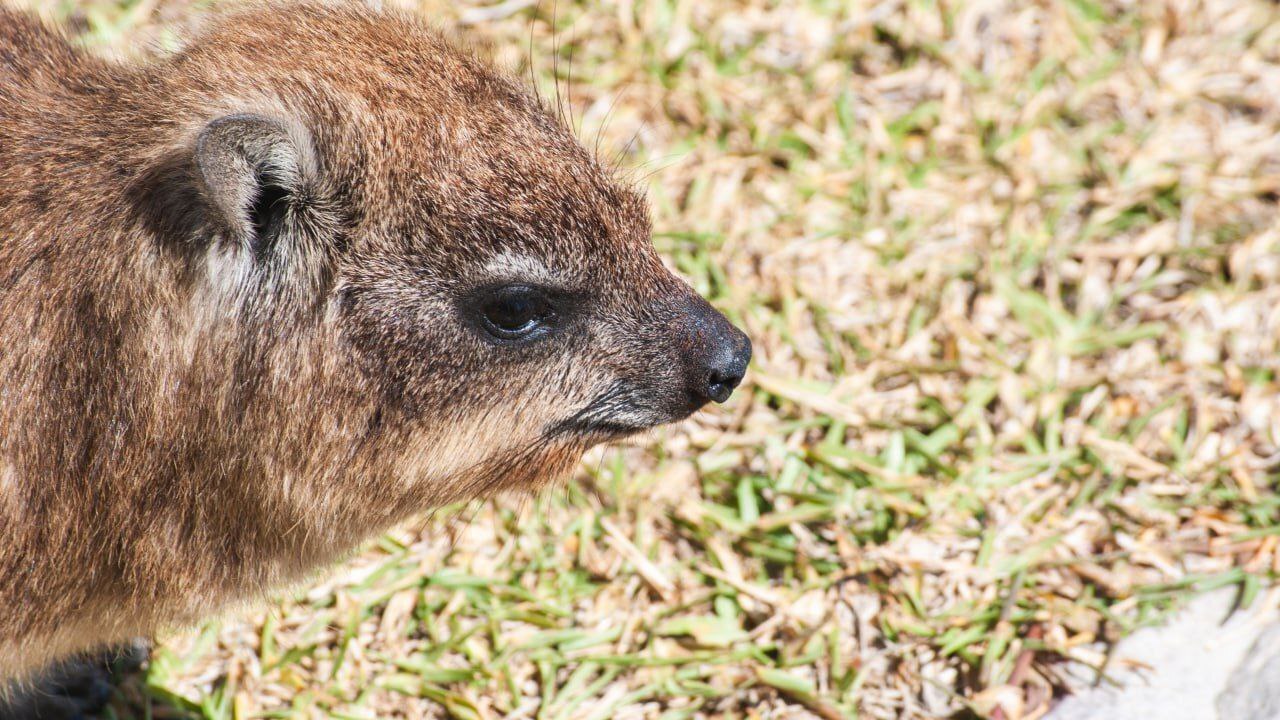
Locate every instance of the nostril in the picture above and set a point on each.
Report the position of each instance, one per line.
(718, 355)
(720, 384)
(728, 372)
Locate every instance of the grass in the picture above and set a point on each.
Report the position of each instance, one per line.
(1013, 275)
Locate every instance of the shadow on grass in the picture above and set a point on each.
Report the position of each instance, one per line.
(135, 699)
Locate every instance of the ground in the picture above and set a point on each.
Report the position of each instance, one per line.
(1012, 270)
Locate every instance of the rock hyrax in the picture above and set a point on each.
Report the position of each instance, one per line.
(314, 273)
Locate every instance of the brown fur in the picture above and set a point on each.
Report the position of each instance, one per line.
(183, 424)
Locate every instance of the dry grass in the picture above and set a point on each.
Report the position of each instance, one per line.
(1013, 274)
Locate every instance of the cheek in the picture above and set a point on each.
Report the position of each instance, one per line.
(415, 357)
(488, 448)
(529, 470)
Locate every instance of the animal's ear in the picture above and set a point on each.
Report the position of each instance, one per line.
(255, 172)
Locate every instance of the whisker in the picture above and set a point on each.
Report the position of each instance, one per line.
(568, 83)
(555, 58)
(676, 156)
(604, 123)
(626, 149)
(533, 80)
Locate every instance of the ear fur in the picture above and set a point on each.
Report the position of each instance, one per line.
(253, 169)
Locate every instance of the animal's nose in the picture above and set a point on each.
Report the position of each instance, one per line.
(719, 358)
(726, 365)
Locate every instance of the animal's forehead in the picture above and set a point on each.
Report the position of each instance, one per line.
(494, 160)
(502, 177)
(516, 225)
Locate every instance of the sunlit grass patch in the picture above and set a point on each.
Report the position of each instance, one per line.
(1013, 277)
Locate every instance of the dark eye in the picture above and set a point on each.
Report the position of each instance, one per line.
(515, 312)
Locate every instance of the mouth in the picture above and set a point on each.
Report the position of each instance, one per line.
(603, 430)
(618, 412)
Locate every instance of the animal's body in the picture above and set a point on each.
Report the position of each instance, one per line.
(271, 294)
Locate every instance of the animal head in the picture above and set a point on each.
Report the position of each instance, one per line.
(483, 295)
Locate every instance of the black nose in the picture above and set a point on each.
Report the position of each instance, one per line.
(725, 375)
(719, 358)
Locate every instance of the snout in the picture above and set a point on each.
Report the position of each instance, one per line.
(716, 357)
(696, 356)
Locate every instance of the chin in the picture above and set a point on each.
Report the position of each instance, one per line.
(529, 469)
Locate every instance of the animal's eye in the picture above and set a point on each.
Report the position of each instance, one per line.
(515, 312)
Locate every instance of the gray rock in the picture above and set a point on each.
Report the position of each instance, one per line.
(1205, 663)
(1253, 690)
